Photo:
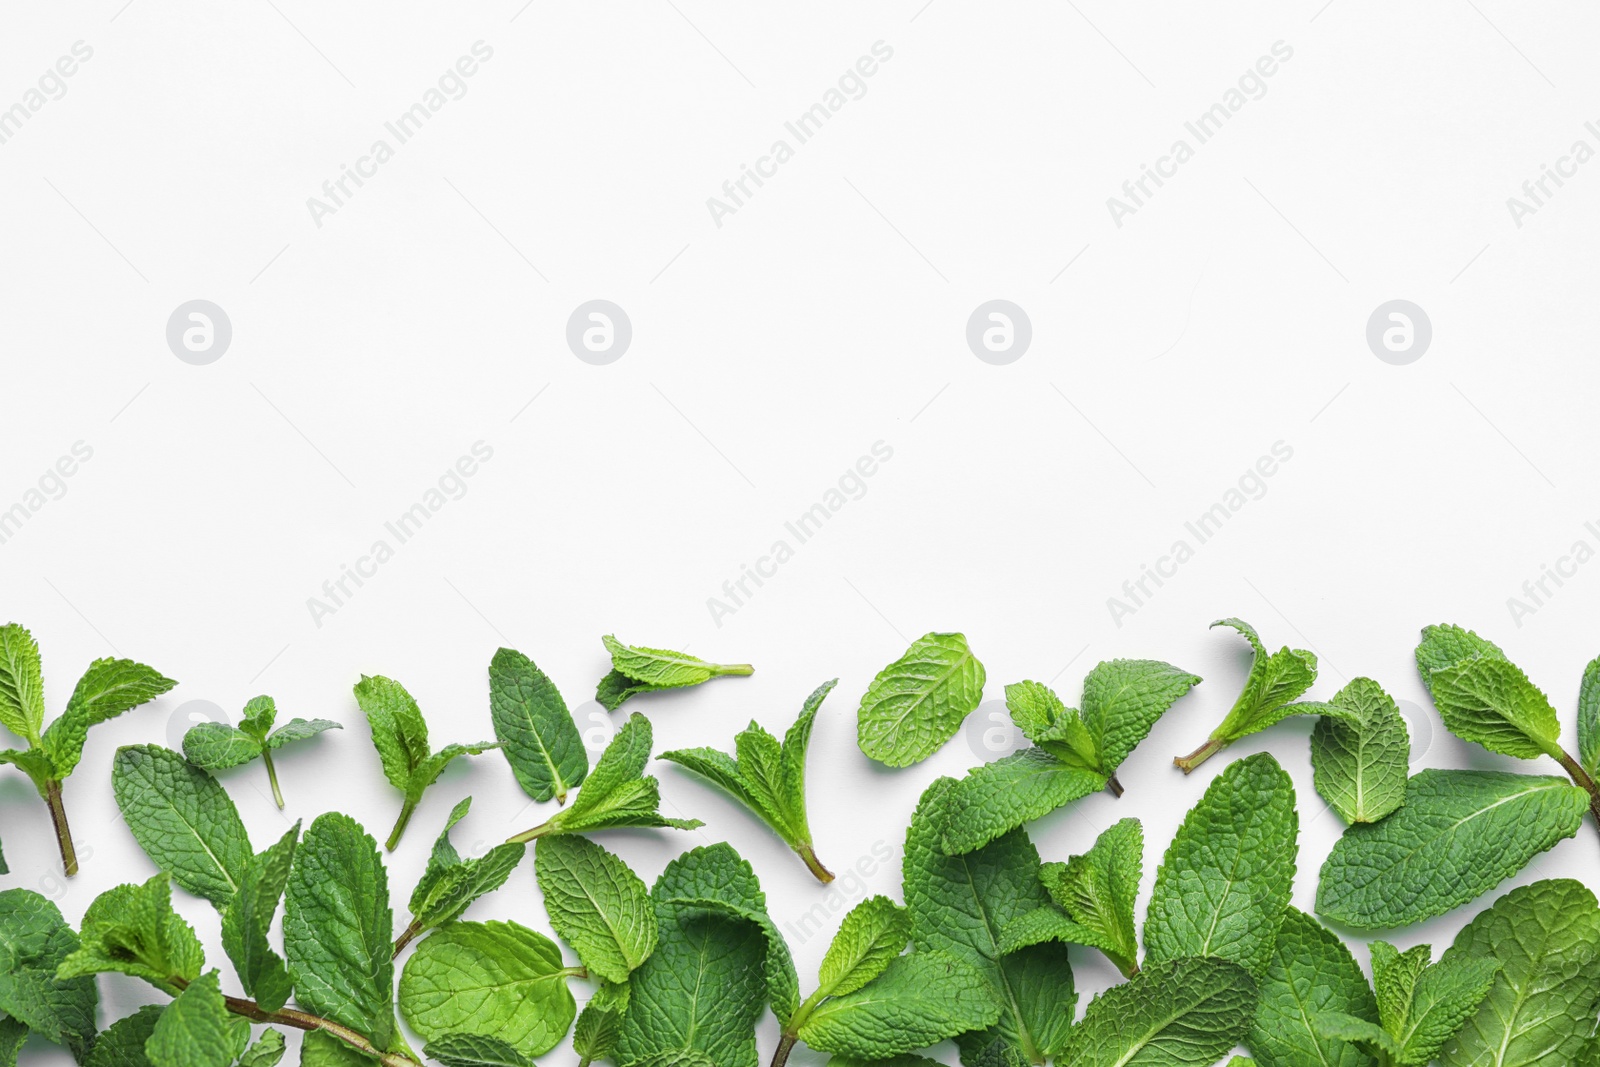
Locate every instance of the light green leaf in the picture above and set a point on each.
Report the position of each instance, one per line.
(399, 732)
(216, 746)
(260, 713)
(1179, 1013)
(1311, 974)
(1274, 681)
(1054, 727)
(1360, 752)
(21, 683)
(1097, 892)
(197, 1030)
(122, 1043)
(873, 933)
(1394, 979)
(536, 731)
(1589, 719)
(34, 941)
(918, 702)
(1046, 999)
(266, 1052)
(183, 819)
(450, 884)
(636, 669)
(247, 921)
(1459, 835)
(918, 1000)
(1367, 1038)
(1490, 701)
(107, 689)
(594, 1035)
(132, 930)
(617, 792)
(428, 770)
(1224, 883)
(299, 730)
(1123, 698)
(32, 762)
(1541, 1006)
(496, 978)
(474, 1050)
(1447, 645)
(1443, 997)
(995, 798)
(596, 905)
(337, 928)
(321, 1049)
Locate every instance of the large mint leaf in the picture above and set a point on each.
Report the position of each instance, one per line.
(337, 928)
(1447, 645)
(183, 819)
(1541, 1006)
(535, 729)
(1224, 883)
(917, 703)
(497, 979)
(107, 689)
(247, 921)
(596, 904)
(1490, 701)
(1361, 752)
(995, 798)
(1460, 834)
(399, 732)
(21, 683)
(917, 1001)
(34, 942)
(1123, 698)
(132, 930)
(197, 1030)
(1180, 1013)
(1310, 975)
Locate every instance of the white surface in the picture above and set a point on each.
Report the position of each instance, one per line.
(826, 314)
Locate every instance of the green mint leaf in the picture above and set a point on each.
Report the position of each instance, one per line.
(768, 778)
(183, 819)
(1394, 980)
(1046, 999)
(536, 731)
(1360, 752)
(1311, 974)
(961, 904)
(496, 978)
(716, 877)
(1589, 719)
(918, 702)
(197, 1030)
(32, 762)
(1097, 892)
(1491, 702)
(450, 884)
(1447, 645)
(596, 905)
(1178, 1013)
(635, 669)
(1369, 1040)
(1050, 724)
(1123, 698)
(338, 930)
(299, 730)
(617, 792)
(122, 1043)
(873, 933)
(247, 921)
(1274, 681)
(474, 1050)
(996, 798)
(107, 689)
(594, 1035)
(1460, 834)
(321, 1049)
(399, 732)
(917, 1001)
(266, 1052)
(1224, 883)
(132, 930)
(34, 941)
(1541, 1006)
(12, 1035)
(260, 714)
(216, 746)
(21, 683)
(1443, 997)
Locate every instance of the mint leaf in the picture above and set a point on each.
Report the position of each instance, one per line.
(1094, 896)
(768, 778)
(133, 930)
(197, 1030)
(21, 683)
(321, 1049)
(594, 1035)
(183, 819)
(1173, 1014)
(217, 746)
(1123, 698)
(474, 1050)
(122, 1043)
(266, 1052)
(247, 920)
(107, 689)
(1311, 974)
(34, 941)
(12, 1035)
(1460, 834)
(1224, 883)
(337, 928)
(918, 702)
(1541, 1006)
(1274, 681)
(535, 729)
(1050, 724)
(1368, 1039)
(995, 798)
(596, 905)
(401, 737)
(1360, 752)
(1422, 1006)
(635, 669)
(450, 884)
(1490, 701)
(1589, 719)
(873, 933)
(1447, 645)
(497, 979)
(918, 1000)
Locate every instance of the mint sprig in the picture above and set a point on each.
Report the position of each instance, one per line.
(217, 746)
(636, 669)
(1275, 680)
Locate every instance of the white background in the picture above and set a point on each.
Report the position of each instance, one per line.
(769, 353)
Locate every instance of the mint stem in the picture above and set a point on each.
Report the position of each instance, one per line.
(58, 815)
(736, 668)
(400, 824)
(1581, 778)
(408, 935)
(781, 1055)
(813, 864)
(529, 835)
(1114, 785)
(300, 1020)
(1199, 755)
(272, 776)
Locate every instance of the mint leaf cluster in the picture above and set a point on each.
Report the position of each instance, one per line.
(1275, 680)
(217, 746)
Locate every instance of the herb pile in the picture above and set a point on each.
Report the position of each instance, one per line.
(679, 973)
